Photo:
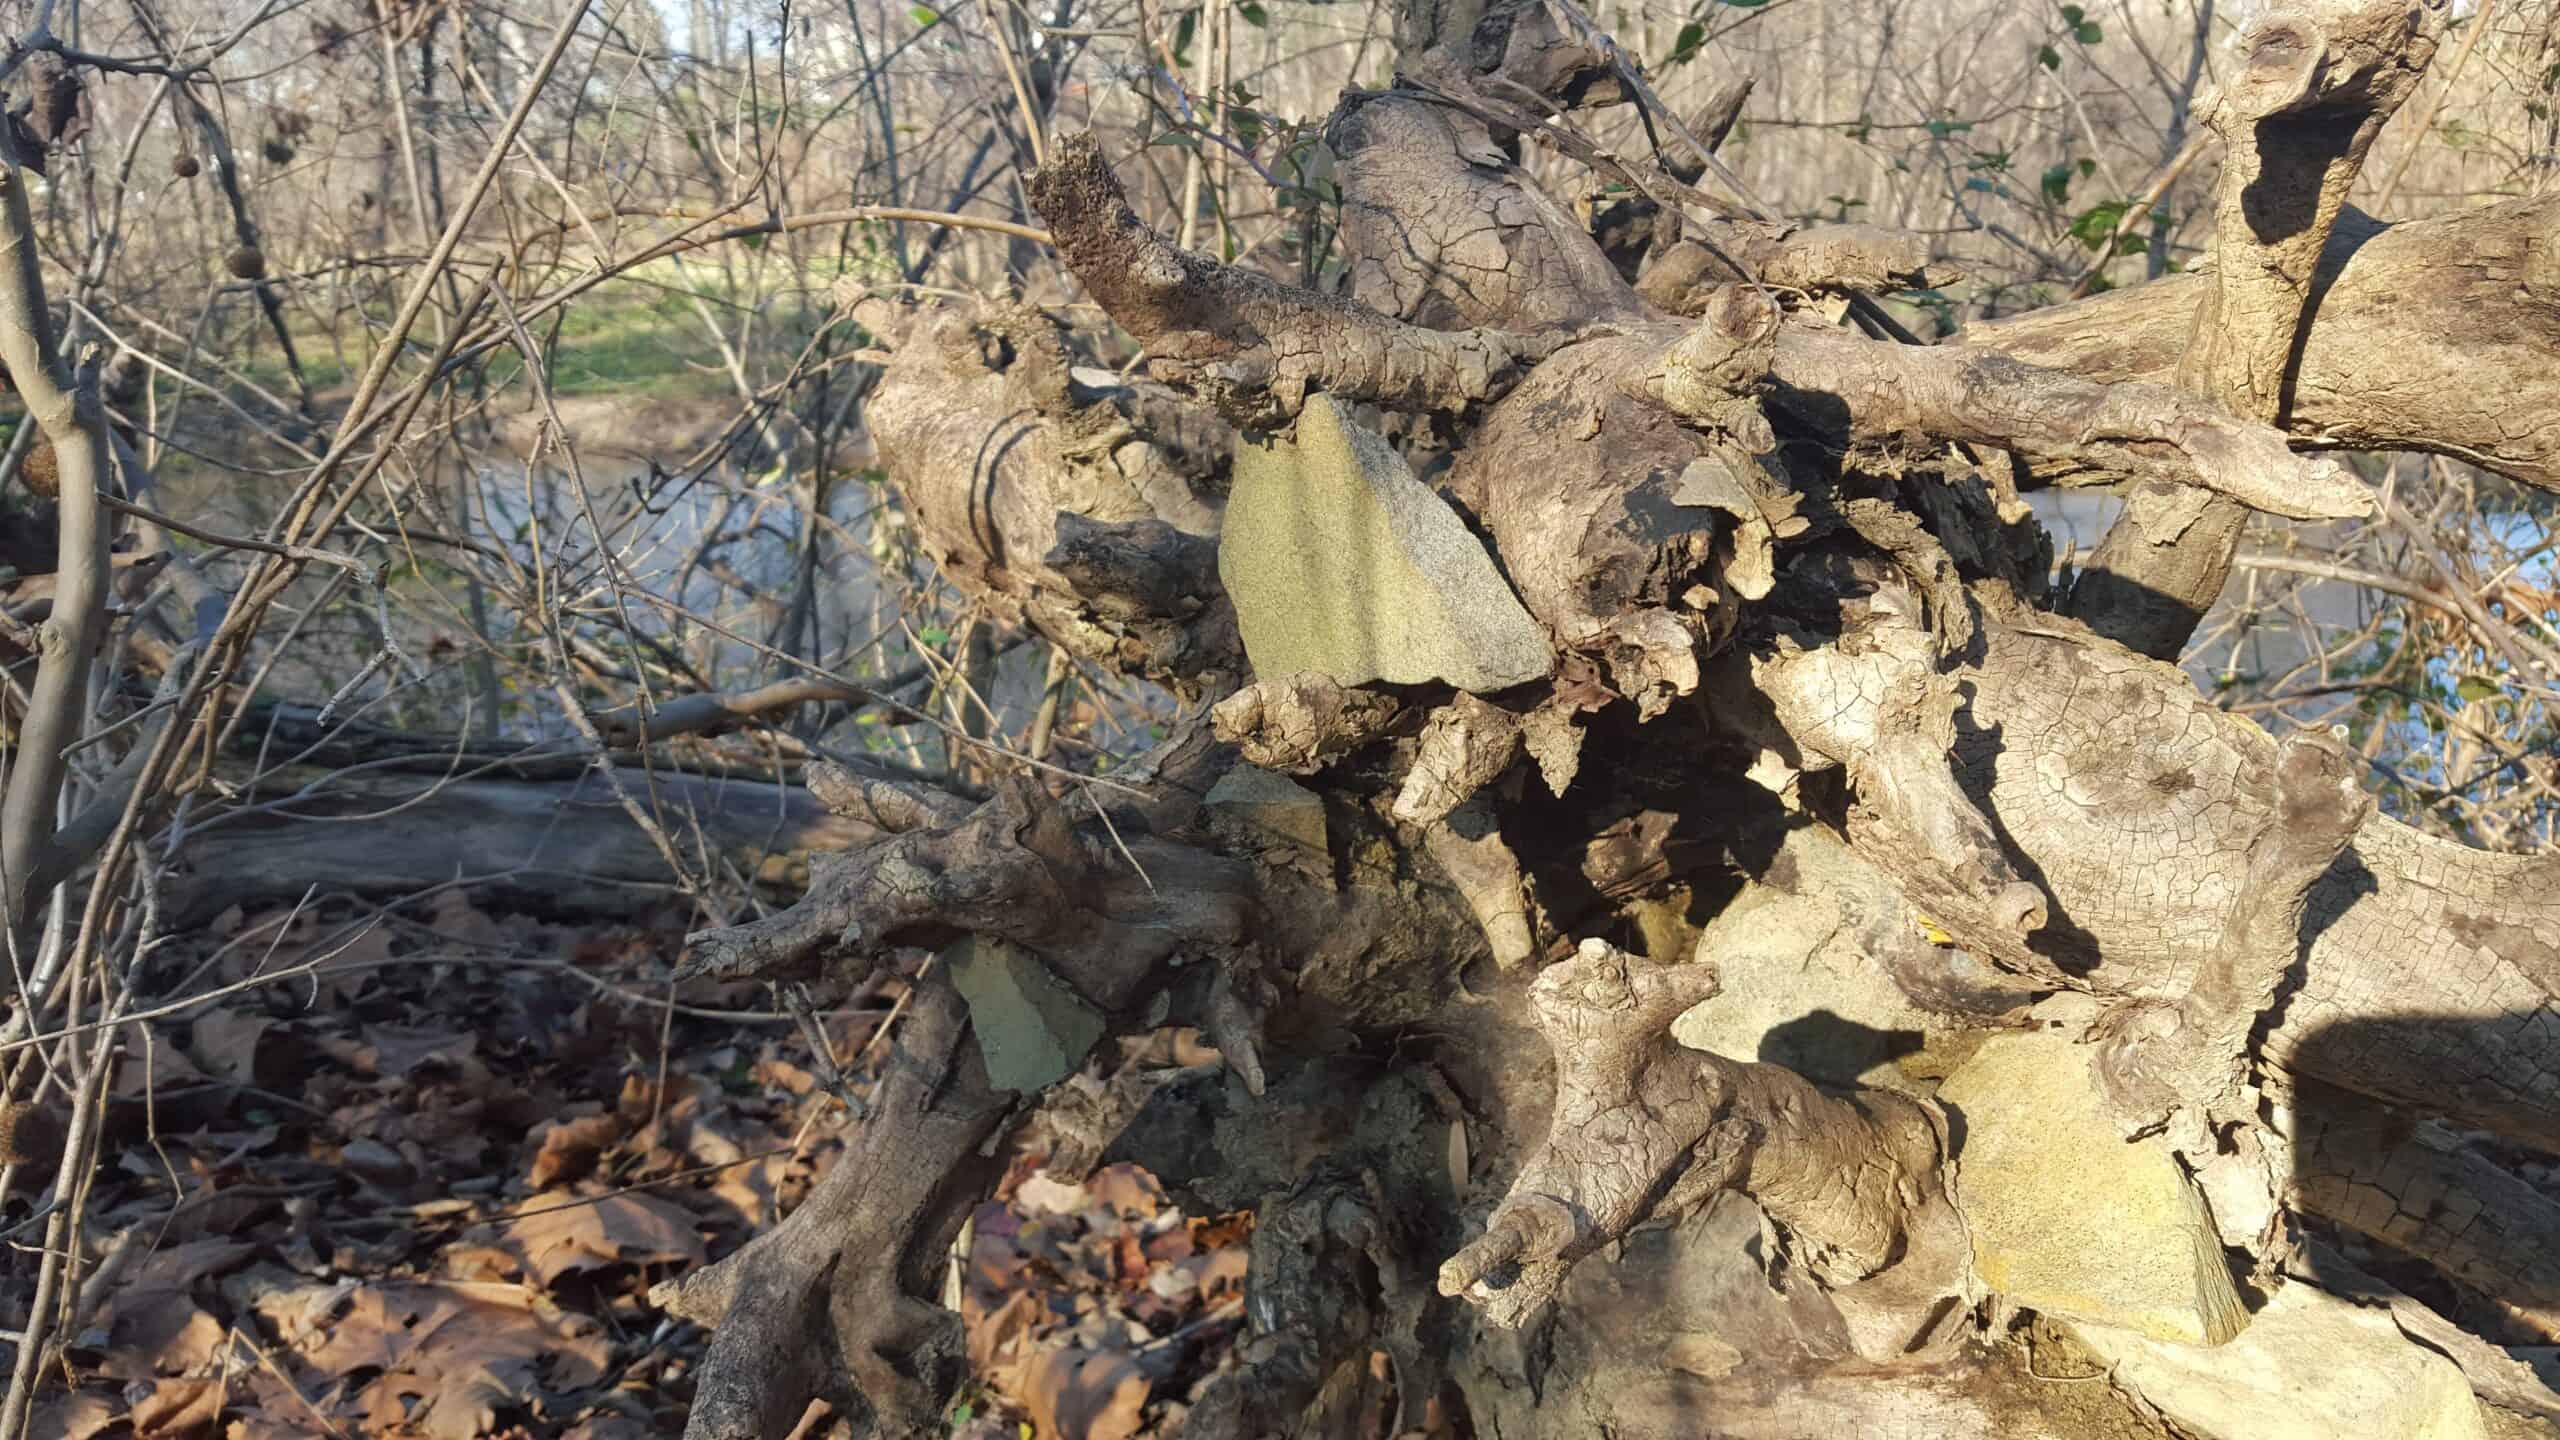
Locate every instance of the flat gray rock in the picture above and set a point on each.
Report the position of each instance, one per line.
(1268, 808)
(1033, 1030)
(1339, 561)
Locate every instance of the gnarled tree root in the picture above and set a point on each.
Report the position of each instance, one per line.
(835, 1302)
(1646, 1127)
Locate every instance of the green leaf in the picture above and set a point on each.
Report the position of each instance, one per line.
(2057, 183)
(1253, 15)
(925, 16)
(1941, 129)
(934, 635)
(2476, 687)
(2073, 14)
(2093, 225)
(1746, 4)
(1692, 36)
(2048, 57)
(2088, 33)
(1182, 36)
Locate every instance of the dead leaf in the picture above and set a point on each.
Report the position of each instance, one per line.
(451, 1356)
(558, 1233)
(1085, 1394)
(568, 1148)
(1041, 1195)
(177, 1408)
(74, 1417)
(225, 1044)
(393, 1051)
(1130, 1192)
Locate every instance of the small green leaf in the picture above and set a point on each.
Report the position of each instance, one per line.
(934, 635)
(925, 16)
(1941, 129)
(1253, 15)
(2057, 183)
(2093, 225)
(2475, 687)
(2073, 14)
(2048, 57)
(1685, 48)
(2088, 33)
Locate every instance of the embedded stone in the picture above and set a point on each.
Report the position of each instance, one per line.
(1032, 1029)
(1264, 808)
(2067, 1216)
(1339, 561)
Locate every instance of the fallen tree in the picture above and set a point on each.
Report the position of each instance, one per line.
(1702, 932)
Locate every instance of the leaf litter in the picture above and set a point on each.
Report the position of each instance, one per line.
(418, 1187)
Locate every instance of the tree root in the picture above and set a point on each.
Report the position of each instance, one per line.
(2191, 1053)
(835, 1302)
(1644, 1127)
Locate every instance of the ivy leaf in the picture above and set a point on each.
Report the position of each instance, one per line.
(2088, 33)
(925, 16)
(2073, 14)
(2048, 57)
(1253, 15)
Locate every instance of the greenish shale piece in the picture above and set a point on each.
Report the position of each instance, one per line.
(1340, 561)
(1033, 1030)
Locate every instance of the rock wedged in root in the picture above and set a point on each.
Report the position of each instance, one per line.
(1033, 1030)
(1268, 809)
(2069, 1218)
(1341, 562)
(2310, 1366)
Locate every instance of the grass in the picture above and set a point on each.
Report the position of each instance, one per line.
(636, 336)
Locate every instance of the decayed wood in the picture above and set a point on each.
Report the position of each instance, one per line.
(839, 1301)
(2134, 802)
(1655, 492)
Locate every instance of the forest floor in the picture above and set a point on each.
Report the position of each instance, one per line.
(411, 1174)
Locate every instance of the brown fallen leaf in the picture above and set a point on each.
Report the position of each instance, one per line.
(176, 1409)
(567, 1150)
(74, 1417)
(1085, 1395)
(451, 1356)
(559, 1234)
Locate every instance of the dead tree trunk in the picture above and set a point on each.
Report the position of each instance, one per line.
(1684, 780)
